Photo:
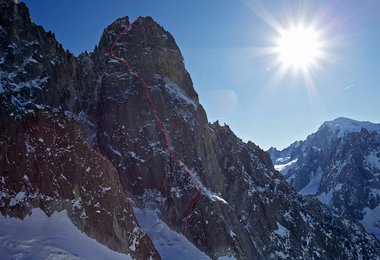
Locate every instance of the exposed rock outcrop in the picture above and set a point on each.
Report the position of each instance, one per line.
(340, 165)
(45, 160)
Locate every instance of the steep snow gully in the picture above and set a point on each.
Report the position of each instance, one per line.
(160, 124)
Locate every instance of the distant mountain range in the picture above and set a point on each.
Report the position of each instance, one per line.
(339, 165)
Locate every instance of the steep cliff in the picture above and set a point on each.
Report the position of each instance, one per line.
(45, 159)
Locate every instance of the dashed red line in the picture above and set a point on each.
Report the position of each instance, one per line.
(160, 124)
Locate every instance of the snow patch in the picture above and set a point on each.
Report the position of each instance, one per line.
(135, 156)
(41, 237)
(226, 257)
(325, 198)
(213, 196)
(284, 168)
(76, 204)
(371, 221)
(312, 187)
(282, 160)
(115, 151)
(169, 244)
(372, 161)
(176, 92)
(134, 244)
(31, 60)
(281, 230)
(177, 191)
(205, 191)
(19, 198)
(104, 189)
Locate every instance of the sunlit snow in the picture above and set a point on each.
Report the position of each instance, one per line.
(169, 243)
(41, 237)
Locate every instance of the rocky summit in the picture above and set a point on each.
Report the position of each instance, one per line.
(78, 134)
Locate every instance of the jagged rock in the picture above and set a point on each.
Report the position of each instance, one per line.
(45, 161)
(340, 165)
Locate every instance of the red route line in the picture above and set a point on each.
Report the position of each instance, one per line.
(160, 124)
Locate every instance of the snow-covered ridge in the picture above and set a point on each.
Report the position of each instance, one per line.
(170, 244)
(327, 170)
(344, 125)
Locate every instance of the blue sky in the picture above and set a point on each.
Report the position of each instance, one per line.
(220, 41)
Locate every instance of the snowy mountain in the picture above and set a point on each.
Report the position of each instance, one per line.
(343, 126)
(78, 135)
(283, 160)
(340, 165)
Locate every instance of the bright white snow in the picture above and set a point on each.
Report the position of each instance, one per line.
(213, 196)
(17, 199)
(344, 125)
(169, 244)
(282, 160)
(371, 221)
(41, 237)
(283, 168)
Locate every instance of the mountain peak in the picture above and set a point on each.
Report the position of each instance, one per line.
(149, 49)
(343, 125)
(145, 26)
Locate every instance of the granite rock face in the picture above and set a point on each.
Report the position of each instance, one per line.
(45, 162)
(45, 159)
(116, 154)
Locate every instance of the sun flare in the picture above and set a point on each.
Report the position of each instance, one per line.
(298, 47)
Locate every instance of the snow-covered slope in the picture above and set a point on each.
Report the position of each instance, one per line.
(342, 126)
(284, 167)
(285, 159)
(41, 237)
(169, 244)
(340, 165)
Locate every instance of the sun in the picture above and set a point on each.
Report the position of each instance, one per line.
(298, 47)
(298, 50)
